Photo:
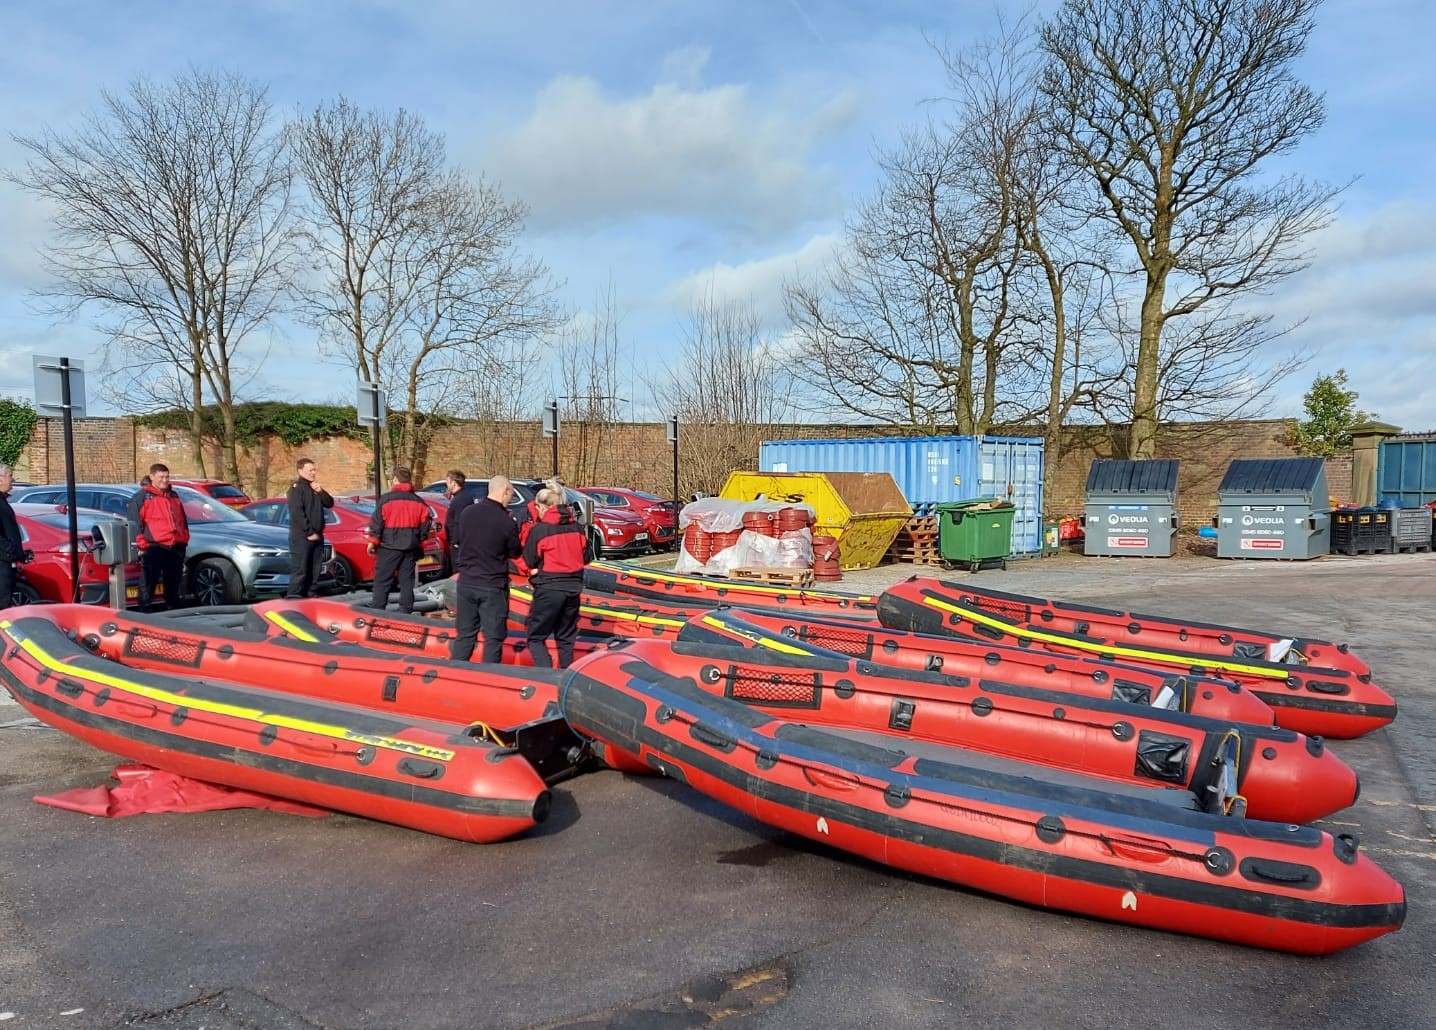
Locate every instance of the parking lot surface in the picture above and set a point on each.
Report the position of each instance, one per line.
(642, 904)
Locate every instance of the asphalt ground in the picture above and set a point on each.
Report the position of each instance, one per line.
(641, 904)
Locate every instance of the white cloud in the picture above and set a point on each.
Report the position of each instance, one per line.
(713, 155)
(758, 282)
(1369, 304)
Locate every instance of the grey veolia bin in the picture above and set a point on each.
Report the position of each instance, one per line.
(1131, 508)
(1274, 508)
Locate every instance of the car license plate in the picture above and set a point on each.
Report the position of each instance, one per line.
(640, 536)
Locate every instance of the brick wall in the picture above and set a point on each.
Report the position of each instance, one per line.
(634, 455)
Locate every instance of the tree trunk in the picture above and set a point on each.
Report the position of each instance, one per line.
(1144, 394)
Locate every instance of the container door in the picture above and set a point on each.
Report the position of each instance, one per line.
(1406, 472)
(1011, 468)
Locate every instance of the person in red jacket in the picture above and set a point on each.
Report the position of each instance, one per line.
(397, 531)
(556, 551)
(162, 536)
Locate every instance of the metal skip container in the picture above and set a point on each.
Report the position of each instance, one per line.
(1274, 508)
(1131, 508)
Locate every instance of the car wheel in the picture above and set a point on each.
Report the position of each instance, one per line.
(215, 581)
(23, 593)
(344, 580)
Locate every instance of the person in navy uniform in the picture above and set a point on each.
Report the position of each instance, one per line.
(12, 544)
(306, 500)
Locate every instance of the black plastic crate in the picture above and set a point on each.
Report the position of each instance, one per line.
(1362, 531)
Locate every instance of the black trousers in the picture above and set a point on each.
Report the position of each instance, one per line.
(393, 563)
(481, 610)
(305, 560)
(7, 582)
(160, 564)
(553, 613)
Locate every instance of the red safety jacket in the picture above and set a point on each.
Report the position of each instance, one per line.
(160, 514)
(401, 520)
(557, 550)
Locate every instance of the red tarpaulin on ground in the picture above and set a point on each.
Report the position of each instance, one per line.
(142, 789)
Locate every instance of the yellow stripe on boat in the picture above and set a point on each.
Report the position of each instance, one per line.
(744, 585)
(290, 628)
(1021, 630)
(609, 613)
(757, 637)
(158, 695)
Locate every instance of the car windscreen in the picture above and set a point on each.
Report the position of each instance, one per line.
(199, 508)
(227, 492)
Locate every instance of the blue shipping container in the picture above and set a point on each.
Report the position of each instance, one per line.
(931, 470)
(1405, 472)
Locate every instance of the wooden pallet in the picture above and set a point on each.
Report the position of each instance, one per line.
(916, 542)
(777, 576)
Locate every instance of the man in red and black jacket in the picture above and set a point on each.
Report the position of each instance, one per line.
(397, 532)
(162, 537)
(556, 551)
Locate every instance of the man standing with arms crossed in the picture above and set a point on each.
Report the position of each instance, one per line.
(488, 539)
(307, 501)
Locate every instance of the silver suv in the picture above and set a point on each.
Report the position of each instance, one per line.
(229, 559)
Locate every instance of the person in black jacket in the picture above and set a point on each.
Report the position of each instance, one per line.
(488, 539)
(12, 544)
(401, 522)
(556, 550)
(307, 501)
(460, 497)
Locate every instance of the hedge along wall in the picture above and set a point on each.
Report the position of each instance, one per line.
(628, 455)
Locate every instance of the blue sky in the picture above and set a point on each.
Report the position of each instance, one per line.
(668, 147)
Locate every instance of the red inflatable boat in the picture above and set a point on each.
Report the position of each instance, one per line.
(1328, 702)
(397, 632)
(1060, 841)
(424, 774)
(1275, 773)
(1090, 677)
(1163, 633)
(624, 579)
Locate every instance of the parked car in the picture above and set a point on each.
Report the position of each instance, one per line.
(525, 490)
(344, 526)
(224, 493)
(229, 559)
(660, 515)
(45, 530)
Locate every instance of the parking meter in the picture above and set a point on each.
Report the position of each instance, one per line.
(115, 547)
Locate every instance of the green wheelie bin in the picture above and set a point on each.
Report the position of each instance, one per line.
(975, 534)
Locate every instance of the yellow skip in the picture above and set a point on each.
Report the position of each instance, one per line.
(1020, 630)
(218, 708)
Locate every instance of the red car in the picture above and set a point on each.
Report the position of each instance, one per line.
(659, 514)
(45, 529)
(344, 526)
(224, 493)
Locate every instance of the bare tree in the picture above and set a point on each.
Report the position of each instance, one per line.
(171, 219)
(418, 278)
(588, 373)
(1170, 111)
(730, 388)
